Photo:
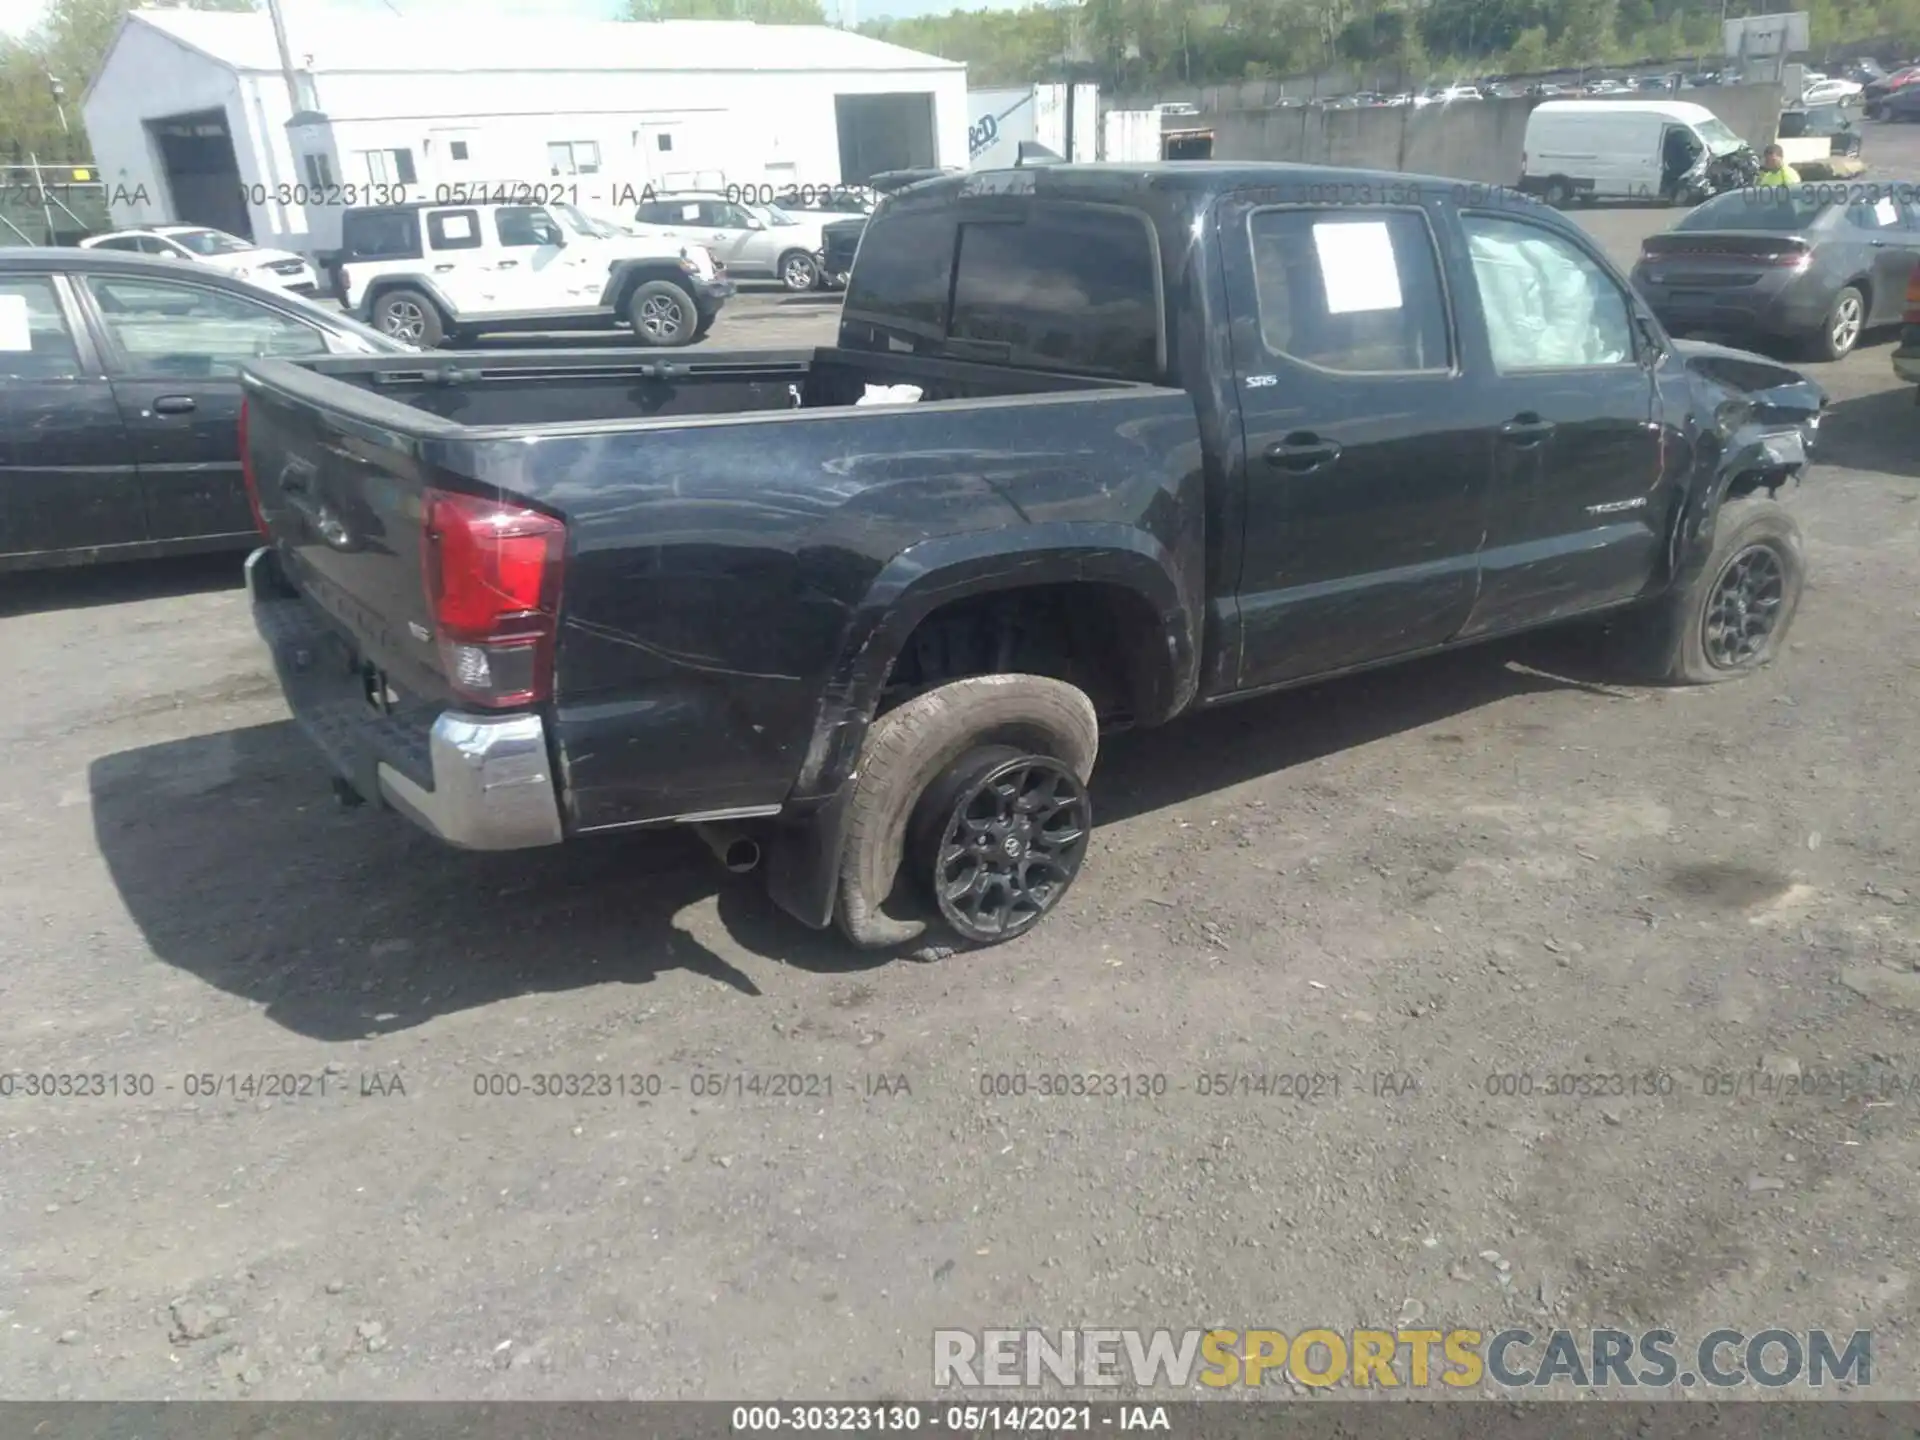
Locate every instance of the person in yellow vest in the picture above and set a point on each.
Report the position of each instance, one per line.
(1774, 169)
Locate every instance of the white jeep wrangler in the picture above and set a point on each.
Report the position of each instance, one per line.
(428, 274)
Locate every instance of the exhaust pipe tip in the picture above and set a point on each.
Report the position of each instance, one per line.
(738, 853)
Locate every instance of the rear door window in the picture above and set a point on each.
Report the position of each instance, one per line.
(1356, 292)
(1071, 288)
(454, 229)
(1874, 215)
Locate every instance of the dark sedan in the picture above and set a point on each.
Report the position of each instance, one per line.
(120, 401)
(1789, 263)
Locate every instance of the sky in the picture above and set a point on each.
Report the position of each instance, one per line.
(19, 16)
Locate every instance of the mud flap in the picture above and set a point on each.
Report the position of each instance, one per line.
(803, 861)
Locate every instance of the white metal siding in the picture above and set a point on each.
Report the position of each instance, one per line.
(777, 127)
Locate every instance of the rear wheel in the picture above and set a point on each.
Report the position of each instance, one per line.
(410, 316)
(661, 313)
(1841, 330)
(998, 839)
(1003, 757)
(1559, 193)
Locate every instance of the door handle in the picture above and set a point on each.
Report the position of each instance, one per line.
(442, 269)
(1527, 429)
(507, 265)
(1878, 244)
(1302, 452)
(173, 405)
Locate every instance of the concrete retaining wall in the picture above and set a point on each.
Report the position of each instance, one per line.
(1473, 140)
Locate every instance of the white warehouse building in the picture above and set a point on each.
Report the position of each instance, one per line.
(191, 118)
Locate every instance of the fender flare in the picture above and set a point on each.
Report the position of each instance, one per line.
(628, 273)
(1693, 533)
(936, 572)
(406, 280)
(803, 857)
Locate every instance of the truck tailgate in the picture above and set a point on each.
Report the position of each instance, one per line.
(341, 477)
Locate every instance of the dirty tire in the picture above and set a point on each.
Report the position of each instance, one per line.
(409, 315)
(1669, 642)
(908, 748)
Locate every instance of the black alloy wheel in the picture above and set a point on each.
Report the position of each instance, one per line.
(1003, 837)
(1744, 608)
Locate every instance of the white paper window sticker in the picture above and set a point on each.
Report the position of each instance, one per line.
(689, 212)
(1358, 267)
(1883, 211)
(16, 326)
(456, 227)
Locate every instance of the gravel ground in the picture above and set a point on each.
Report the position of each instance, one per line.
(1492, 864)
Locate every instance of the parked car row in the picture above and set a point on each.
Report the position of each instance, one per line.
(1893, 96)
(1512, 89)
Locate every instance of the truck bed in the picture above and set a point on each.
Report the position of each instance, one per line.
(725, 516)
(546, 388)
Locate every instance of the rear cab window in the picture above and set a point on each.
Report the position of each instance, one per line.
(1053, 285)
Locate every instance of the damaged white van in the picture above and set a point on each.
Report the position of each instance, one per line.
(1668, 151)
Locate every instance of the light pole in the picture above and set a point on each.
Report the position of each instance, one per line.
(59, 92)
(286, 55)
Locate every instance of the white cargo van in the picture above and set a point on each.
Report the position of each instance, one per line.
(1669, 150)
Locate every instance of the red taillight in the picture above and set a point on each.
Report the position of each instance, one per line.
(247, 478)
(1912, 317)
(492, 574)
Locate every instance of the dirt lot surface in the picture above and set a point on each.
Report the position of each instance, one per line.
(1404, 887)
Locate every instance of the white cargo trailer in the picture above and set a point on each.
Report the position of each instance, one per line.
(998, 120)
(1130, 136)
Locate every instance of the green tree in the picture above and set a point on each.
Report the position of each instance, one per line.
(1476, 28)
(1586, 31)
(67, 47)
(1531, 52)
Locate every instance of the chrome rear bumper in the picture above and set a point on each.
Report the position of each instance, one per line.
(480, 782)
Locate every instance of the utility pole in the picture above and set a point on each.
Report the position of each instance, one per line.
(286, 56)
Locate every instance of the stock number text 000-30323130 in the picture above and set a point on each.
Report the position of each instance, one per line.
(1049, 1419)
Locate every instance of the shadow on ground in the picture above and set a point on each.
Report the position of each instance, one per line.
(124, 582)
(232, 857)
(1874, 432)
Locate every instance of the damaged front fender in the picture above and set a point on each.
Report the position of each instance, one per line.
(1755, 425)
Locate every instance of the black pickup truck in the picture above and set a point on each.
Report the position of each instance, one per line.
(1177, 435)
